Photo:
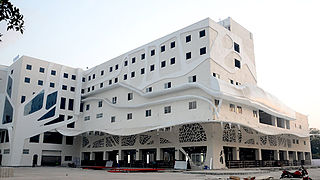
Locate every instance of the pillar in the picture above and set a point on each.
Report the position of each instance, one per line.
(237, 153)
(286, 155)
(258, 154)
(92, 156)
(105, 155)
(158, 154)
(121, 155)
(177, 154)
(276, 155)
(138, 154)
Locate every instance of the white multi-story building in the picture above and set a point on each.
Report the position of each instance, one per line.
(192, 94)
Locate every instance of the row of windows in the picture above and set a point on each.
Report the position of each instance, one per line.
(63, 103)
(40, 83)
(51, 138)
(53, 72)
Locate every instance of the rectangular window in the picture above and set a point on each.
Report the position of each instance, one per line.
(64, 87)
(202, 33)
(116, 67)
(236, 47)
(52, 138)
(153, 52)
(110, 69)
(188, 38)
(216, 75)
(71, 125)
(115, 80)
(93, 76)
(114, 100)
(188, 55)
(173, 44)
(89, 89)
(87, 118)
(113, 119)
(63, 103)
(130, 96)
(203, 50)
(125, 63)
(70, 104)
(167, 85)
(53, 72)
(143, 56)
(23, 99)
(133, 60)
(87, 107)
(216, 102)
(142, 71)
(102, 72)
(110, 81)
(65, 75)
(69, 117)
(72, 89)
(69, 140)
(41, 69)
(35, 139)
(163, 48)
(40, 82)
(52, 84)
(83, 79)
(25, 151)
(193, 105)
(163, 64)
(100, 104)
(129, 116)
(148, 112)
(125, 77)
(73, 77)
(152, 67)
(6, 151)
(149, 89)
(231, 81)
(100, 115)
(173, 60)
(167, 109)
(192, 78)
(255, 113)
(232, 108)
(239, 109)
(287, 124)
(29, 67)
(237, 63)
(89, 78)
(101, 85)
(27, 80)
(133, 74)
(68, 158)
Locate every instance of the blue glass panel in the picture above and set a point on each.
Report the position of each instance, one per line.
(9, 86)
(48, 114)
(7, 112)
(51, 100)
(35, 104)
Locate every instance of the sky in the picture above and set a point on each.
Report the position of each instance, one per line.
(85, 33)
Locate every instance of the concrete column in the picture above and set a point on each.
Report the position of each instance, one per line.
(276, 155)
(177, 154)
(91, 156)
(158, 154)
(138, 154)
(237, 153)
(286, 155)
(105, 155)
(121, 154)
(258, 154)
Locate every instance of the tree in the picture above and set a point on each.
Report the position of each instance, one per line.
(315, 143)
(12, 16)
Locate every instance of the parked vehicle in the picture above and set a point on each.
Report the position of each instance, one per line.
(301, 173)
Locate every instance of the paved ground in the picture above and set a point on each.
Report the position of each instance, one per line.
(54, 173)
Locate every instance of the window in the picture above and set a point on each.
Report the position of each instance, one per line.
(100, 115)
(167, 85)
(293, 141)
(64, 87)
(72, 89)
(193, 105)
(25, 151)
(239, 109)
(232, 107)
(192, 78)
(93, 76)
(237, 63)
(100, 104)
(83, 79)
(148, 113)
(133, 60)
(167, 109)
(173, 44)
(101, 85)
(231, 81)
(87, 118)
(52, 84)
(40, 82)
(6, 151)
(102, 72)
(304, 142)
(297, 141)
(300, 127)
(149, 89)
(114, 100)
(143, 56)
(52, 138)
(110, 81)
(173, 60)
(133, 74)
(92, 88)
(116, 67)
(153, 52)
(236, 47)
(63, 103)
(142, 71)
(110, 69)
(163, 64)
(68, 158)
(188, 38)
(113, 119)
(88, 89)
(130, 96)
(255, 113)
(216, 102)
(188, 55)
(69, 117)
(70, 104)
(216, 75)
(287, 124)
(125, 63)
(202, 33)
(71, 125)
(23, 99)
(163, 48)
(115, 80)
(53, 72)
(89, 78)
(87, 107)
(41, 69)
(29, 67)
(65, 75)
(129, 116)
(152, 67)
(73, 77)
(35, 139)
(237, 83)
(69, 140)
(27, 80)
(125, 77)
(203, 50)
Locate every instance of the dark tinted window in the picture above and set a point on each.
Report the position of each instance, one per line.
(188, 38)
(63, 103)
(188, 55)
(52, 138)
(236, 47)
(203, 50)
(70, 105)
(202, 33)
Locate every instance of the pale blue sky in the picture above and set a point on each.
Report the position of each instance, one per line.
(83, 33)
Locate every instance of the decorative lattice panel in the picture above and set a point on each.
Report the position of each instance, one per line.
(263, 140)
(272, 140)
(99, 143)
(85, 141)
(112, 141)
(128, 140)
(164, 141)
(249, 141)
(192, 133)
(144, 139)
(229, 133)
(248, 130)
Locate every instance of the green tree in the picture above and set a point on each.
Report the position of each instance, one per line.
(315, 143)
(11, 15)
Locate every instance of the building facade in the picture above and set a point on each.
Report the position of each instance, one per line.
(191, 95)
